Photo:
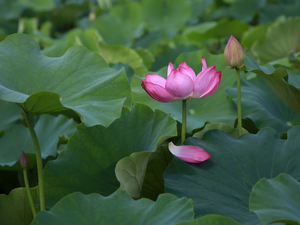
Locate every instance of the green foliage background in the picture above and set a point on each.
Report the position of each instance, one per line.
(77, 65)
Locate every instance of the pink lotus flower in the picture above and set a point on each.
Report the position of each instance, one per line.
(182, 83)
(233, 54)
(189, 153)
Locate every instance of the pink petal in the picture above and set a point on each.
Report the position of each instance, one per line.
(204, 65)
(214, 86)
(179, 85)
(154, 85)
(170, 68)
(156, 79)
(189, 153)
(184, 68)
(207, 82)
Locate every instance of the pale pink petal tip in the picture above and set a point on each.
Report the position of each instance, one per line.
(189, 153)
(170, 68)
(184, 68)
(204, 65)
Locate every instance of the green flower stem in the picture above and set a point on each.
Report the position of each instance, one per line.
(39, 161)
(239, 105)
(33, 210)
(183, 128)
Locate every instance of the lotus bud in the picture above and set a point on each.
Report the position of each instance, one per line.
(23, 160)
(92, 16)
(234, 54)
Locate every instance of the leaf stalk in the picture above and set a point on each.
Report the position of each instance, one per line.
(39, 161)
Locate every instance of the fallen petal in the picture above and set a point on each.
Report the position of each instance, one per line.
(189, 153)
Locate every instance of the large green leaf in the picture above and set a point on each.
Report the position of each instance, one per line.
(275, 78)
(281, 39)
(38, 5)
(234, 132)
(214, 108)
(130, 172)
(79, 80)
(295, 60)
(211, 220)
(158, 161)
(276, 200)
(245, 10)
(162, 15)
(272, 11)
(10, 114)
(17, 139)
(216, 30)
(9, 9)
(199, 7)
(88, 163)
(88, 39)
(121, 25)
(250, 36)
(31, 27)
(122, 54)
(263, 106)
(118, 208)
(239, 9)
(15, 208)
(111, 53)
(222, 184)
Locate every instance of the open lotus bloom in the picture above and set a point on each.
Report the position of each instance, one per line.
(189, 153)
(182, 83)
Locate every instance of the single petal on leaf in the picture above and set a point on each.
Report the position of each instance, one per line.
(189, 153)
(179, 84)
(206, 82)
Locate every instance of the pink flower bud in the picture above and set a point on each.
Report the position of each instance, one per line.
(234, 54)
(23, 160)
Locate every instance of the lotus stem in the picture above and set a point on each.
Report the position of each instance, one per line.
(33, 209)
(183, 128)
(39, 161)
(239, 104)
